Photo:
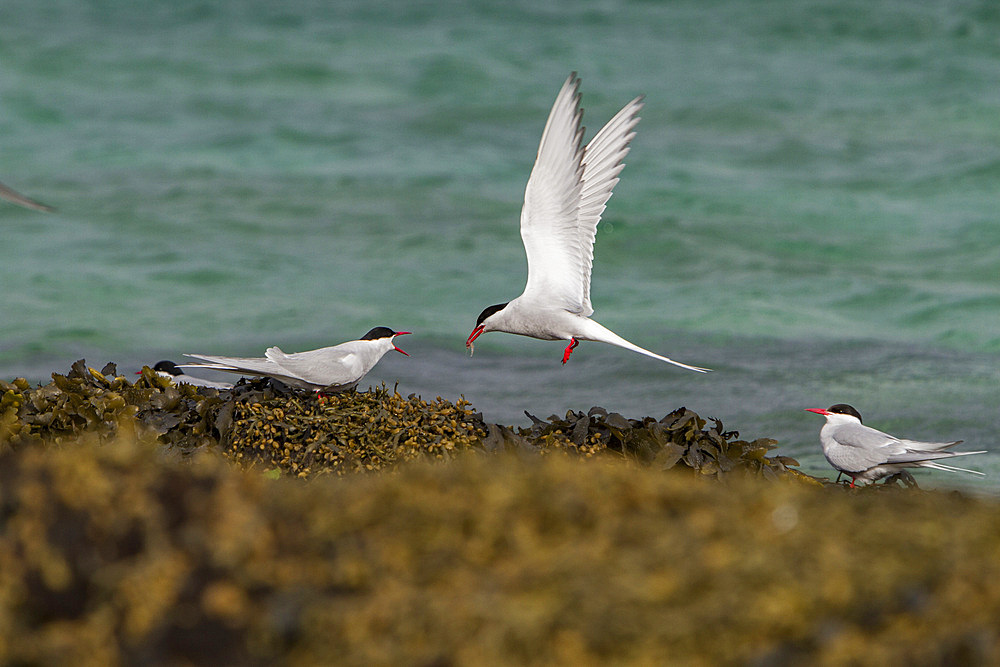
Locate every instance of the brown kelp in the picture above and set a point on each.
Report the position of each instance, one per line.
(111, 553)
(303, 433)
(105, 405)
(681, 438)
(263, 423)
(561, 543)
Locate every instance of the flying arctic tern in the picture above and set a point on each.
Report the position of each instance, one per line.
(171, 371)
(328, 369)
(864, 453)
(566, 194)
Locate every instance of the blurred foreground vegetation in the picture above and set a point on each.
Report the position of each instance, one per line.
(128, 535)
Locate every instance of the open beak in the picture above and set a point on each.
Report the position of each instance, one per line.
(401, 333)
(819, 411)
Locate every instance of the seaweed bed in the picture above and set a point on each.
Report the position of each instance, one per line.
(125, 537)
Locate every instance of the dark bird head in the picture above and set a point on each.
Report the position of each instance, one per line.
(489, 311)
(480, 327)
(167, 366)
(838, 409)
(844, 409)
(379, 333)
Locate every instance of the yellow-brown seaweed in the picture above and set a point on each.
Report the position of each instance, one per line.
(260, 423)
(111, 554)
(561, 543)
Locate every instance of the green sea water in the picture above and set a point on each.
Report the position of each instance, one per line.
(809, 207)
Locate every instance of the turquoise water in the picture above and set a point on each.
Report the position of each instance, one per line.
(809, 206)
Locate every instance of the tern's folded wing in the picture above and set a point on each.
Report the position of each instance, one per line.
(915, 450)
(863, 447)
(243, 365)
(335, 366)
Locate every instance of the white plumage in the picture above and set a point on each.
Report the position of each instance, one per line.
(328, 369)
(566, 194)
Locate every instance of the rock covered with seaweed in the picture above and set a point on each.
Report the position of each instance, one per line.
(265, 424)
(560, 543)
(111, 553)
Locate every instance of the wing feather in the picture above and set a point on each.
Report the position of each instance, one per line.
(329, 366)
(566, 194)
(865, 447)
(862, 447)
(551, 201)
(602, 163)
(242, 365)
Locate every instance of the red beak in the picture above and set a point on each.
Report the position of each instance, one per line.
(819, 411)
(474, 335)
(401, 333)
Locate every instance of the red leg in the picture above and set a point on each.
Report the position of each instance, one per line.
(569, 349)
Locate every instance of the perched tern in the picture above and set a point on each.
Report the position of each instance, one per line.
(21, 200)
(864, 453)
(563, 202)
(328, 369)
(170, 370)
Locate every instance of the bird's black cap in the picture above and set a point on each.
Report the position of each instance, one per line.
(167, 366)
(379, 332)
(489, 311)
(844, 409)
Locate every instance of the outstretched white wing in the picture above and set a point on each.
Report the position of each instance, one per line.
(566, 194)
(602, 162)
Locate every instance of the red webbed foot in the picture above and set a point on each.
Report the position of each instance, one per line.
(569, 349)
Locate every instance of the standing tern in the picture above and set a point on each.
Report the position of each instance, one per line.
(864, 453)
(171, 371)
(21, 200)
(566, 194)
(328, 369)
